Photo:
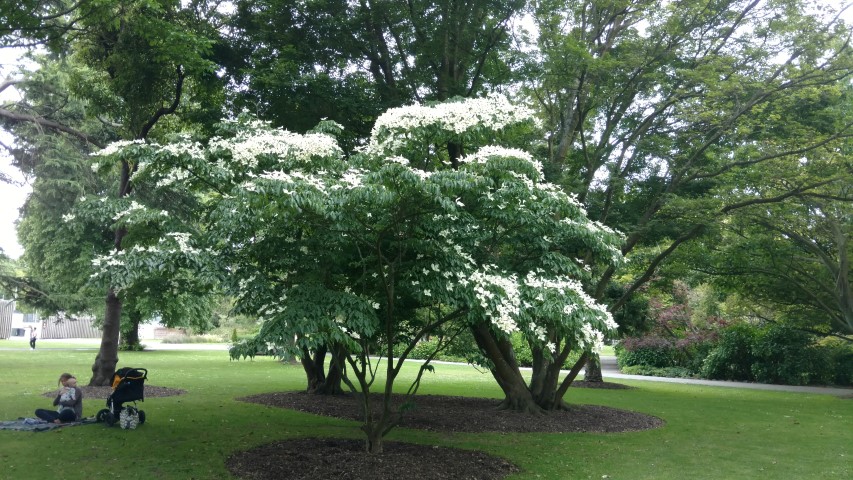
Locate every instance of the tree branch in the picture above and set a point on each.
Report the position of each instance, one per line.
(47, 123)
(163, 111)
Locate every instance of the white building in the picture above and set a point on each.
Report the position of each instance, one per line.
(16, 325)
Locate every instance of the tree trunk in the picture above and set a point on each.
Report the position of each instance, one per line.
(593, 369)
(506, 372)
(544, 384)
(319, 382)
(373, 443)
(105, 362)
(545, 392)
(454, 152)
(130, 333)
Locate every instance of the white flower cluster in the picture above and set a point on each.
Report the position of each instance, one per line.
(183, 241)
(485, 153)
(173, 176)
(353, 177)
(508, 297)
(184, 147)
(293, 177)
(587, 302)
(398, 159)
(538, 331)
(494, 112)
(591, 338)
(111, 259)
(247, 146)
(133, 207)
(116, 147)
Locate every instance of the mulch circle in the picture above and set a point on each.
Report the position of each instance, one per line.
(466, 414)
(151, 391)
(312, 458)
(330, 458)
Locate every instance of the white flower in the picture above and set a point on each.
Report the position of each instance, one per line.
(489, 151)
(391, 131)
(115, 147)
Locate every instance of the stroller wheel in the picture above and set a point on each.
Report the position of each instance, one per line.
(109, 418)
(141, 417)
(101, 416)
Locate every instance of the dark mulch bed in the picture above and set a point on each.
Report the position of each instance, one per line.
(318, 458)
(312, 458)
(465, 414)
(151, 391)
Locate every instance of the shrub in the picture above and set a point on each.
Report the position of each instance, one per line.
(788, 356)
(523, 354)
(192, 339)
(425, 348)
(839, 354)
(672, 372)
(732, 358)
(778, 354)
(650, 351)
(694, 349)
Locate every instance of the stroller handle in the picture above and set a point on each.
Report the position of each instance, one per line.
(125, 372)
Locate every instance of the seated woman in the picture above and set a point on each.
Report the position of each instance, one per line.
(69, 402)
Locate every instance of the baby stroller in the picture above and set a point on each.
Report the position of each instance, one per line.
(128, 386)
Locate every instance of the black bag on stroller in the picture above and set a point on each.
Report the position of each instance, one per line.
(128, 386)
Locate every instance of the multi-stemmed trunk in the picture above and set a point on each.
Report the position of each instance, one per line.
(321, 382)
(545, 392)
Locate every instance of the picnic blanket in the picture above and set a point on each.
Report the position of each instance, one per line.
(39, 425)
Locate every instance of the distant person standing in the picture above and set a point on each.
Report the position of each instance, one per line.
(33, 337)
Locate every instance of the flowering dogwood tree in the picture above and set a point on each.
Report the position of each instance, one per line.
(359, 255)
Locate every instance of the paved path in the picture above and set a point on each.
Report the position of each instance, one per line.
(610, 371)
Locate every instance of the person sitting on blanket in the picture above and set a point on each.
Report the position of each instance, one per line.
(69, 401)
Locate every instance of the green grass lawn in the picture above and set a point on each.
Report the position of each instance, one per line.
(718, 433)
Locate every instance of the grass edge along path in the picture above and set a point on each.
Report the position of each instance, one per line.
(714, 433)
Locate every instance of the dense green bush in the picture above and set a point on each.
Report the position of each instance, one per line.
(649, 351)
(742, 352)
(423, 349)
(788, 356)
(693, 350)
(840, 356)
(732, 358)
(671, 372)
(778, 354)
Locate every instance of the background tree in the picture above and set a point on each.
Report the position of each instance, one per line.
(350, 61)
(649, 107)
(28, 23)
(134, 64)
